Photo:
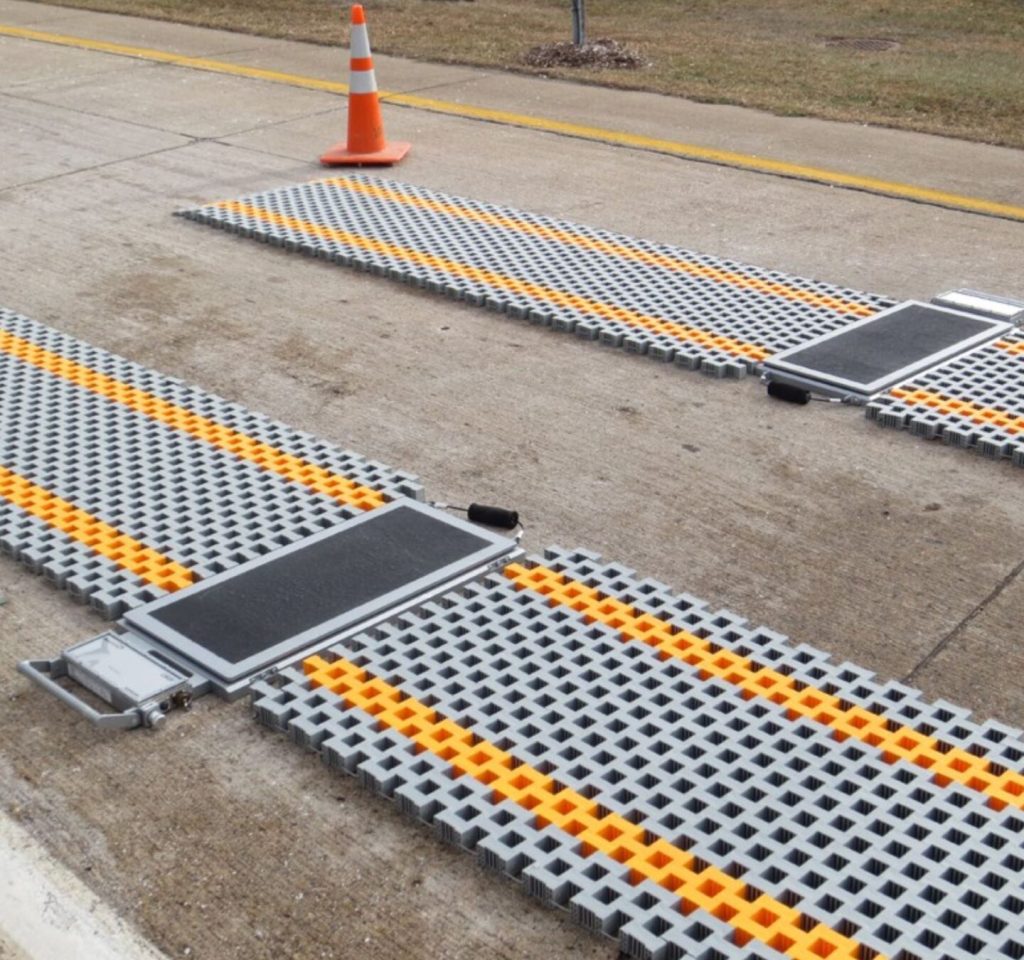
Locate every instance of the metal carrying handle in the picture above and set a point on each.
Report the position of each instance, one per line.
(44, 673)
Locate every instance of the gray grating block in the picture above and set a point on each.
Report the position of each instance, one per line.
(873, 849)
(975, 401)
(599, 285)
(233, 415)
(193, 502)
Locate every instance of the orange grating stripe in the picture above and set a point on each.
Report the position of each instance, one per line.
(1016, 349)
(499, 281)
(242, 446)
(613, 249)
(946, 764)
(100, 537)
(752, 914)
(968, 409)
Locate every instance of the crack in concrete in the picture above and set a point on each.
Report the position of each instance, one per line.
(123, 67)
(82, 112)
(273, 123)
(192, 138)
(385, 95)
(96, 166)
(959, 629)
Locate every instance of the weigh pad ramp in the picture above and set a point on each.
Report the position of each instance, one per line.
(676, 778)
(975, 401)
(120, 484)
(701, 312)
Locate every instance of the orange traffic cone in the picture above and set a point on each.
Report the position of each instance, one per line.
(366, 143)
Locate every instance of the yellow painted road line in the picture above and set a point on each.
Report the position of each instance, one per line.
(968, 409)
(498, 281)
(665, 262)
(685, 151)
(725, 158)
(946, 764)
(126, 552)
(264, 455)
(753, 915)
(174, 59)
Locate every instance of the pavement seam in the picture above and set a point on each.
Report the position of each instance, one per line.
(962, 626)
(440, 85)
(82, 112)
(97, 166)
(260, 151)
(192, 139)
(195, 138)
(220, 138)
(120, 68)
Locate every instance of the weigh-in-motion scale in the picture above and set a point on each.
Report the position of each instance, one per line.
(860, 360)
(226, 632)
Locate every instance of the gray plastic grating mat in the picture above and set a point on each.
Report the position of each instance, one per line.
(153, 462)
(975, 401)
(699, 311)
(834, 847)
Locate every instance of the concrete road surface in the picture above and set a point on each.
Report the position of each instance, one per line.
(216, 839)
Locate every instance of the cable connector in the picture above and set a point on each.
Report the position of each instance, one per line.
(498, 517)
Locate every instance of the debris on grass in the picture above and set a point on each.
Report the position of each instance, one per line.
(863, 44)
(602, 54)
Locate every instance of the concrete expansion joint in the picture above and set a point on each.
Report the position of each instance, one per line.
(93, 167)
(265, 125)
(962, 626)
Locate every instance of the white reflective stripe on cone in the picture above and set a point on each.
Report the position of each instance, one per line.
(362, 81)
(359, 41)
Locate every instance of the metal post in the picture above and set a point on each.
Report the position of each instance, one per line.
(579, 22)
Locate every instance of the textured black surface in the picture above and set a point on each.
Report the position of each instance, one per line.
(300, 590)
(885, 346)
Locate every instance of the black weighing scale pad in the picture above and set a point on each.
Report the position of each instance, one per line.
(225, 632)
(864, 358)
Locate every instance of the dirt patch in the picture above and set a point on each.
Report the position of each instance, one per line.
(596, 54)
